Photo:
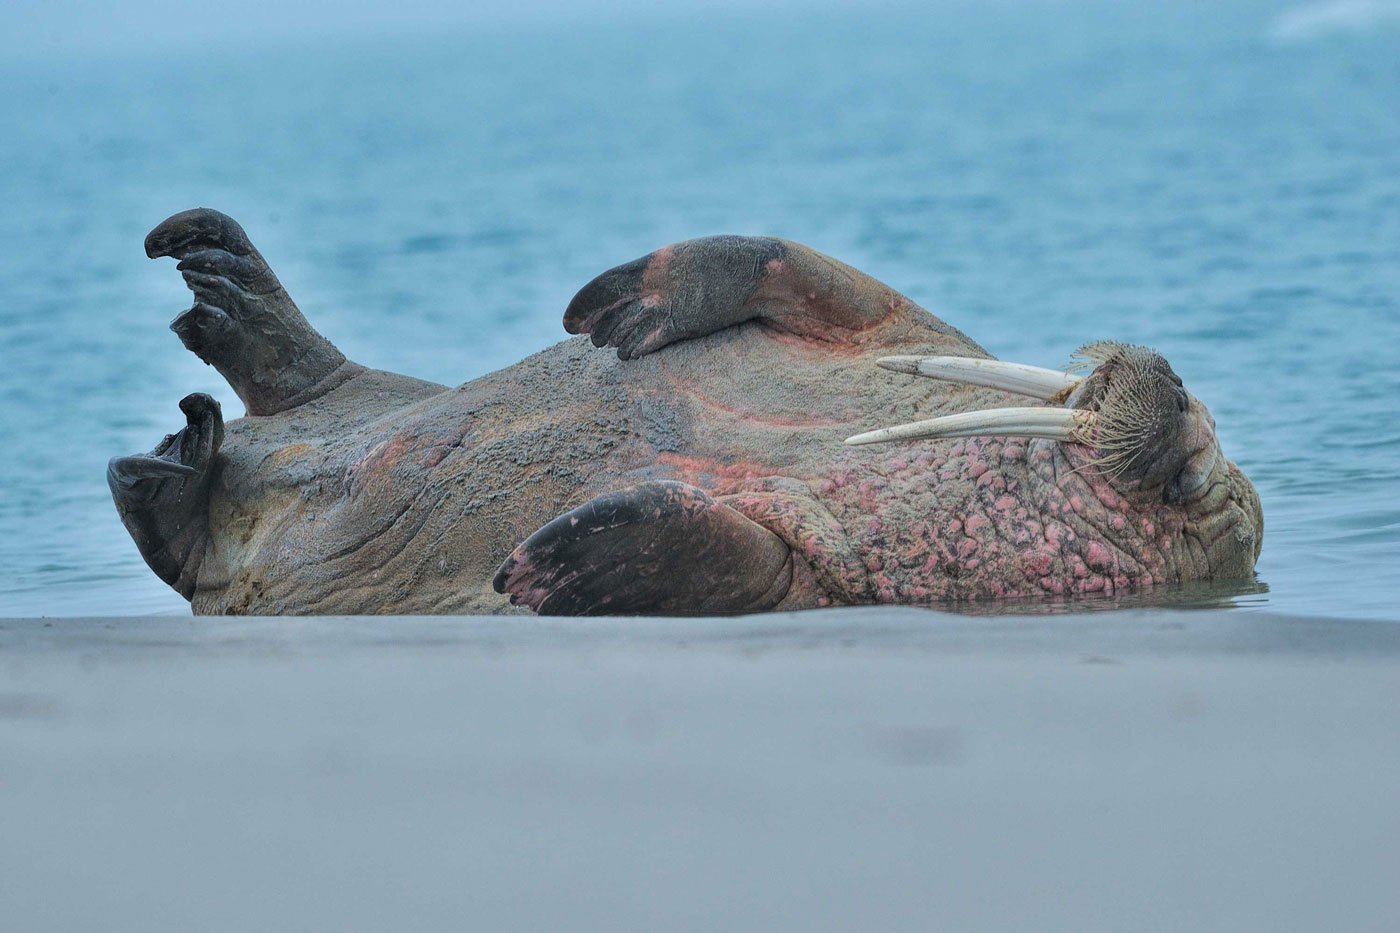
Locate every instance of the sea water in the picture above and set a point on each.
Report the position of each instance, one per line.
(1218, 181)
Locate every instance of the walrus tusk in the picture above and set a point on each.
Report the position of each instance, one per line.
(1044, 384)
(1056, 424)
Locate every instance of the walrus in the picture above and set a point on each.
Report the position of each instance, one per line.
(776, 430)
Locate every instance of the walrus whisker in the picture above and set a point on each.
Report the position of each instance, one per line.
(1057, 424)
(1018, 378)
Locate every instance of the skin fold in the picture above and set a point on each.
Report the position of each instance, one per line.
(700, 468)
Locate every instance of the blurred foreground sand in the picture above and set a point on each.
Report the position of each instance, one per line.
(868, 769)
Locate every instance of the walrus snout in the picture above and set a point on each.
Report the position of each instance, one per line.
(1131, 412)
(1124, 370)
(1149, 430)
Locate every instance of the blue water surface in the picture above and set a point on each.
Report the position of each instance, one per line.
(1200, 179)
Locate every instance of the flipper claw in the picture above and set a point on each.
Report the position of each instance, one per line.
(197, 229)
(246, 273)
(202, 329)
(127, 471)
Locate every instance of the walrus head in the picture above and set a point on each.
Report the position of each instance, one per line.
(1128, 430)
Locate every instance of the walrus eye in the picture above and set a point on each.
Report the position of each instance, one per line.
(1059, 424)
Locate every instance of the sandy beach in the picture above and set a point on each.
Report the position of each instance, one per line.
(868, 769)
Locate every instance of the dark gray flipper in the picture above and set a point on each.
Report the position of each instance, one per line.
(243, 322)
(664, 548)
(698, 287)
(163, 496)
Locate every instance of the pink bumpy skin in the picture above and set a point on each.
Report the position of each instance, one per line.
(1147, 500)
(1031, 518)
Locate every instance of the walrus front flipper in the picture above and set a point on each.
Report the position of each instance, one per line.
(163, 496)
(695, 288)
(243, 322)
(664, 548)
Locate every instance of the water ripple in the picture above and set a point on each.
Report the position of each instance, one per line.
(1040, 180)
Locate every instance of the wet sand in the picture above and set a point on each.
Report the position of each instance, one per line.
(845, 770)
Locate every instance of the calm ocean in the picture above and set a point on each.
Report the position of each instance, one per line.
(1221, 182)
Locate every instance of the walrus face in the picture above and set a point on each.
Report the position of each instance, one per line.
(1149, 433)
(1129, 432)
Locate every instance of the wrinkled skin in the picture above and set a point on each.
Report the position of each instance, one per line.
(701, 468)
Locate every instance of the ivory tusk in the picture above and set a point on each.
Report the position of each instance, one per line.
(1044, 384)
(1057, 424)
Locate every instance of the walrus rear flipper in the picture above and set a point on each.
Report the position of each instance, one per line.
(701, 286)
(664, 548)
(243, 322)
(163, 496)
